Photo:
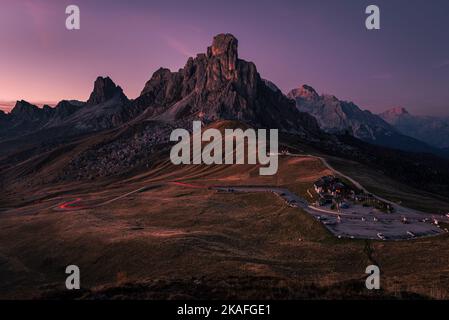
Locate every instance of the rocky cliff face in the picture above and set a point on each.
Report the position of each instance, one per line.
(106, 108)
(62, 111)
(26, 117)
(219, 85)
(24, 111)
(104, 90)
(339, 117)
(394, 114)
(213, 85)
(305, 94)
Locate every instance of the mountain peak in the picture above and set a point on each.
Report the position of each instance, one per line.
(305, 92)
(225, 49)
(394, 115)
(26, 111)
(220, 86)
(398, 111)
(104, 90)
(224, 44)
(23, 106)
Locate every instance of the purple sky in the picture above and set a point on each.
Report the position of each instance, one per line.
(321, 43)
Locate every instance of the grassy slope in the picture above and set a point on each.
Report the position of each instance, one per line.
(177, 234)
(174, 234)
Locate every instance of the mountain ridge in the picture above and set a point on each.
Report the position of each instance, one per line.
(110, 135)
(340, 117)
(213, 85)
(220, 85)
(430, 129)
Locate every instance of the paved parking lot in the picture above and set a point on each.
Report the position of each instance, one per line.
(360, 222)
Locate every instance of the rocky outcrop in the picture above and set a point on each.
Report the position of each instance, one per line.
(219, 85)
(305, 92)
(25, 111)
(62, 111)
(213, 85)
(24, 118)
(394, 114)
(104, 90)
(132, 148)
(106, 108)
(66, 108)
(337, 116)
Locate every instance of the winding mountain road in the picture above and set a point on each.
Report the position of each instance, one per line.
(356, 222)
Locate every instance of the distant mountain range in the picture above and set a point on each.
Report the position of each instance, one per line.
(341, 117)
(215, 85)
(101, 111)
(432, 130)
(109, 135)
(26, 118)
(219, 85)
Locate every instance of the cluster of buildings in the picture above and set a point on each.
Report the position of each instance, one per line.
(332, 190)
(331, 185)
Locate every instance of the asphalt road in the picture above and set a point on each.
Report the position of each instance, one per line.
(355, 222)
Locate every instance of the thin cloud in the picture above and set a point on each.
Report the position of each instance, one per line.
(6, 105)
(442, 64)
(179, 47)
(41, 14)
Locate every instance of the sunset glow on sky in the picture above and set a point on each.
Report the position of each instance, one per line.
(322, 43)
